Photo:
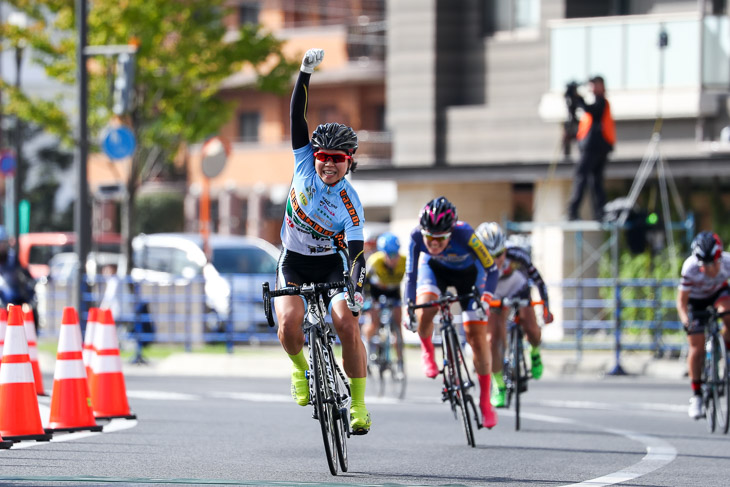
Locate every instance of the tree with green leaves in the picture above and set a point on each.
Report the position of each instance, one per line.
(185, 52)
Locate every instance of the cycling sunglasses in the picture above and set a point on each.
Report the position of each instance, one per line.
(439, 237)
(336, 158)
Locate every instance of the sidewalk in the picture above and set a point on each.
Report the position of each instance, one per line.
(271, 361)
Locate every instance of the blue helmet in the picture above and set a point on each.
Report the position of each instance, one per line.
(388, 243)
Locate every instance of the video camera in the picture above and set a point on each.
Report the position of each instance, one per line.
(570, 127)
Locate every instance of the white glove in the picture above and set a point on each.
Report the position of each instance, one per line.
(311, 60)
(409, 325)
(357, 303)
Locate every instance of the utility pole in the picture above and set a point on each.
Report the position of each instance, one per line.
(82, 220)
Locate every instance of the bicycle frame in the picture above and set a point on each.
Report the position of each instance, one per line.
(455, 372)
(514, 369)
(384, 361)
(715, 376)
(329, 389)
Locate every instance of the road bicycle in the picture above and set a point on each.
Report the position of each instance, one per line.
(514, 370)
(387, 342)
(329, 389)
(715, 378)
(457, 381)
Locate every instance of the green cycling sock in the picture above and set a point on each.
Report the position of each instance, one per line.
(357, 386)
(299, 360)
(534, 350)
(498, 379)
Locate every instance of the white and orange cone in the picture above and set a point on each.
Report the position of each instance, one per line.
(33, 351)
(108, 391)
(70, 401)
(89, 340)
(3, 325)
(20, 417)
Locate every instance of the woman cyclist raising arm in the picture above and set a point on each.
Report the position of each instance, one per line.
(323, 214)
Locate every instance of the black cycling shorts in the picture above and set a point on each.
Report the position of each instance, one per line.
(697, 326)
(297, 269)
(376, 292)
(462, 279)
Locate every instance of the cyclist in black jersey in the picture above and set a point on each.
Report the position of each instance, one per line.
(323, 216)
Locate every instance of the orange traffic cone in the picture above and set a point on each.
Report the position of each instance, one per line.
(70, 402)
(3, 325)
(20, 418)
(108, 392)
(89, 340)
(33, 351)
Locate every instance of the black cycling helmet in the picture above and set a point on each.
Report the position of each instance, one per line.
(335, 136)
(707, 246)
(438, 216)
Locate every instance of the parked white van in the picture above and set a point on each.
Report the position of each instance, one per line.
(238, 266)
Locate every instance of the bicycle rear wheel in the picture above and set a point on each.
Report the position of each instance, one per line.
(456, 363)
(720, 384)
(323, 401)
(397, 370)
(517, 370)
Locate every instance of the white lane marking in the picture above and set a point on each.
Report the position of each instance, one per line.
(252, 396)
(261, 397)
(643, 406)
(658, 453)
(162, 396)
(111, 427)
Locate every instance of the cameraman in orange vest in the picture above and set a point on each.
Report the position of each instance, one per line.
(596, 137)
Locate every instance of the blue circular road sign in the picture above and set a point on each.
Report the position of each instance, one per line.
(7, 162)
(118, 143)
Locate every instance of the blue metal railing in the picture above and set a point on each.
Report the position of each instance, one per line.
(597, 314)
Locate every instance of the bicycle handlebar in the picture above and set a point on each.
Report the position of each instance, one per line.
(444, 300)
(709, 312)
(310, 289)
(513, 303)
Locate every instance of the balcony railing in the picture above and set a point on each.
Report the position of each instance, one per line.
(626, 51)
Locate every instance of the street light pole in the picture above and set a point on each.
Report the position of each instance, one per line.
(18, 178)
(82, 221)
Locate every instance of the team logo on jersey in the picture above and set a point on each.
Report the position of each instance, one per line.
(311, 190)
(484, 256)
(350, 208)
(303, 198)
(298, 212)
(323, 219)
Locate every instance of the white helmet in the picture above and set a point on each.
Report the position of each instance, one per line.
(492, 236)
(520, 240)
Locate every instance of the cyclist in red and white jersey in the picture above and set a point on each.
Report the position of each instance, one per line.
(516, 275)
(704, 282)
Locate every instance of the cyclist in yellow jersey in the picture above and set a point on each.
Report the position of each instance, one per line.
(385, 271)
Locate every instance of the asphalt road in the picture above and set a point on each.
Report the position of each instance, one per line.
(248, 431)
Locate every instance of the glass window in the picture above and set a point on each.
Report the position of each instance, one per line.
(248, 126)
(243, 260)
(507, 15)
(248, 13)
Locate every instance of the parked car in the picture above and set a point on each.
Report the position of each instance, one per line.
(35, 250)
(233, 276)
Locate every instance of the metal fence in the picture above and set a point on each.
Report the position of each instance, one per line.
(595, 314)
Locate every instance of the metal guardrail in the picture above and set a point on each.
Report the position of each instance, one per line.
(597, 314)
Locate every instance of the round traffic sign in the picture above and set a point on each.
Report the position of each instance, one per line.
(118, 142)
(7, 162)
(215, 154)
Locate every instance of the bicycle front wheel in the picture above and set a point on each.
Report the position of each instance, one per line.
(461, 386)
(518, 370)
(342, 410)
(323, 401)
(720, 384)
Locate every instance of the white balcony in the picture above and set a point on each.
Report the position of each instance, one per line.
(643, 79)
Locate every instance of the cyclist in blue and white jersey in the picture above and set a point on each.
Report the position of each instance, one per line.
(323, 214)
(516, 275)
(443, 252)
(704, 282)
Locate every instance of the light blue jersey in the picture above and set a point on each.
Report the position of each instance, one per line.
(319, 218)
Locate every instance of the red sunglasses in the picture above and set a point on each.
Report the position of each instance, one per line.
(336, 158)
